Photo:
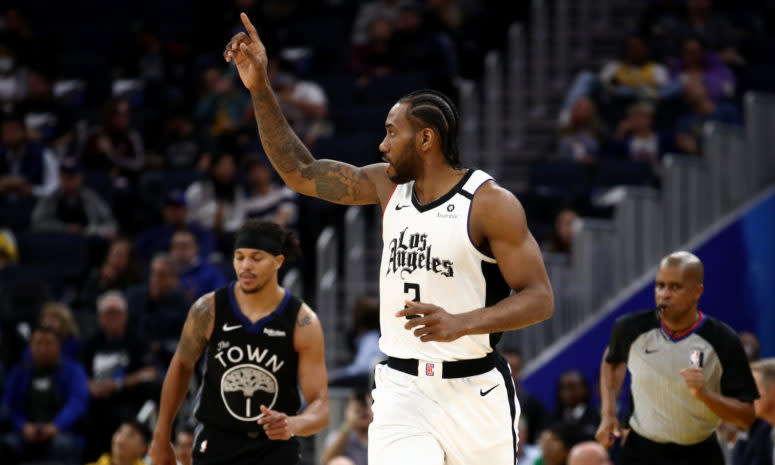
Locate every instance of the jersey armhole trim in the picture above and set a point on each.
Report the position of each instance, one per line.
(481, 254)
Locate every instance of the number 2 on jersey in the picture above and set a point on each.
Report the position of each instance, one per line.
(415, 288)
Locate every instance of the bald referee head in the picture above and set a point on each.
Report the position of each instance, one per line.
(679, 287)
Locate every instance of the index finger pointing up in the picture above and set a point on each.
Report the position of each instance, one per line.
(249, 27)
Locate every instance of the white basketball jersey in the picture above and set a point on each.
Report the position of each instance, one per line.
(428, 257)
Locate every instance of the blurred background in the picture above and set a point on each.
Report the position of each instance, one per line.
(129, 157)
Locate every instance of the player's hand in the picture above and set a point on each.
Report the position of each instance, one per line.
(695, 381)
(49, 431)
(277, 425)
(436, 324)
(608, 431)
(31, 433)
(248, 53)
(161, 452)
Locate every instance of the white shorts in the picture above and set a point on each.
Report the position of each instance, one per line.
(427, 420)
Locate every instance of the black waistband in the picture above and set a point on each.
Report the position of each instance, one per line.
(456, 369)
(671, 447)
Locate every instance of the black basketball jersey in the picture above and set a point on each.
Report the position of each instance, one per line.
(249, 365)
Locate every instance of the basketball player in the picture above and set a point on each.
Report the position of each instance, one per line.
(689, 372)
(262, 343)
(456, 244)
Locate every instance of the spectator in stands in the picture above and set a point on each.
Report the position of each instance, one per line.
(582, 138)
(267, 200)
(180, 146)
(58, 317)
(527, 452)
(26, 168)
(532, 409)
(351, 439)
(216, 202)
(697, 62)
(304, 103)
(756, 446)
(368, 13)
(174, 216)
(47, 121)
(118, 271)
(184, 442)
(557, 441)
(701, 21)
(73, 207)
(222, 105)
(423, 49)
(45, 397)
(377, 55)
(573, 406)
(751, 346)
(114, 147)
(128, 445)
(561, 240)
(701, 110)
(120, 370)
(635, 138)
(365, 323)
(158, 308)
(13, 75)
(588, 453)
(635, 75)
(9, 251)
(197, 277)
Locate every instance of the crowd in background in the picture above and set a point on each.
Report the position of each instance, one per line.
(129, 157)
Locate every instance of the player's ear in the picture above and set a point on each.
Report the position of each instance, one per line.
(425, 138)
(279, 260)
(698, 290)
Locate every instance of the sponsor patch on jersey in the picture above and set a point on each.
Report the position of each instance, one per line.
(274, 332)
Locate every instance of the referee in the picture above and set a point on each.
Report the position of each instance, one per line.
(689, 372)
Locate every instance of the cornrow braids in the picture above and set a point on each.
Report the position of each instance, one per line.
(437, 111)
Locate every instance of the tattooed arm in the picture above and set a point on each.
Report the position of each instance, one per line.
(325, 179)
(196, 333)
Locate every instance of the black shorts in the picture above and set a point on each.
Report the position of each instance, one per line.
(638, 450)
(213, 446)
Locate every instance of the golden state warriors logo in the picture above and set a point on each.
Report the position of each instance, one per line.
(244, 388)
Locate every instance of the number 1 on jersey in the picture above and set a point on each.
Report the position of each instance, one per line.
(415, 288)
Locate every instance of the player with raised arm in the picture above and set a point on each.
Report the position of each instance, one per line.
(455, 247)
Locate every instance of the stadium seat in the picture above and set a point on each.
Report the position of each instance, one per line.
(386, 90)
(65, 254)
(559, 177)
(623, 172)
(357, 149)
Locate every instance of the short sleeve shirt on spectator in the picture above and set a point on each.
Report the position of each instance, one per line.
(664, 409)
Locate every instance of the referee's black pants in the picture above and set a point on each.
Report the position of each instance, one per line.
(638, 450)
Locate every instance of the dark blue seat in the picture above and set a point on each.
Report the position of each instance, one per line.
(623, 172)
(340, 89)
(180, 179)
(559, 178)
(359, 118)
(357, 149)
(386, 90)
(66, 254)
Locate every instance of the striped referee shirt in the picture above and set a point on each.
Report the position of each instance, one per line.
(664, 409)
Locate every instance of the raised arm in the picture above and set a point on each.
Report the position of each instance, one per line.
(196, 333)
(325, 179)
(308, 343)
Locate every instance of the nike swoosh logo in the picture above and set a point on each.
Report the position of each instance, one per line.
(399, 207)
(651, 351)
(484, 393)
(226, 327)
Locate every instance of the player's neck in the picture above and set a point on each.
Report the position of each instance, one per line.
(435, 181)
(256, 305)
(682, 324)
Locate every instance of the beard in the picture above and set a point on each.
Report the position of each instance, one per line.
(250, 291)
(405, 171)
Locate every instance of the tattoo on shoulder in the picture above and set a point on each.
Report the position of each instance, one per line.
(193, 342)
(334, 181)
(304, 321)
(202, 314)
